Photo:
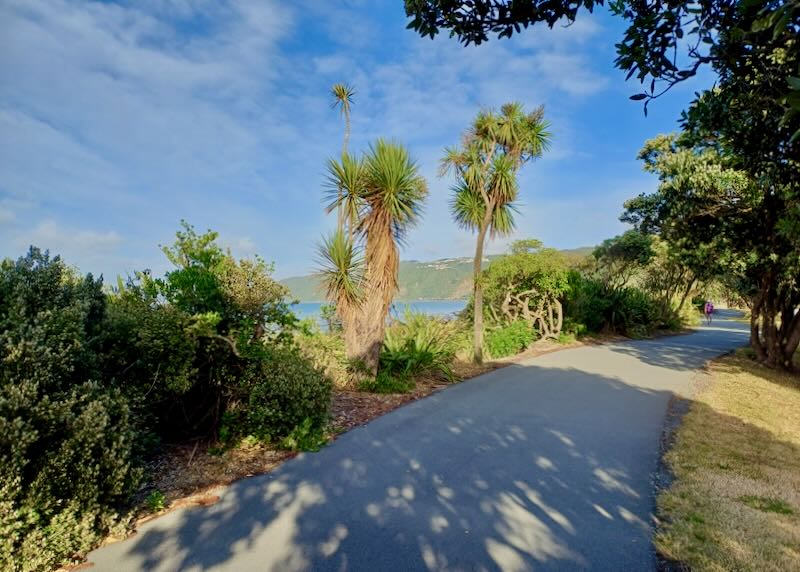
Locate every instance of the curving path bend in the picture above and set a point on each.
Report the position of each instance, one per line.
(544, 465)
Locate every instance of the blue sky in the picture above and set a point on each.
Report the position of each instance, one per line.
(119, 119)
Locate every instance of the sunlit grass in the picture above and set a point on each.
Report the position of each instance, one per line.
(736, 502)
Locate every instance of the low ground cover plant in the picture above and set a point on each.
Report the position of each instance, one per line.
(509, 339)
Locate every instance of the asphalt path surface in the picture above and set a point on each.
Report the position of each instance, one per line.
(542, 465)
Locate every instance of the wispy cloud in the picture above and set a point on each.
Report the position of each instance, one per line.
(135, 115)
(50, 235)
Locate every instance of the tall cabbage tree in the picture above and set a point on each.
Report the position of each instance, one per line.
(385, 191)
(485, 168)
(343, 94)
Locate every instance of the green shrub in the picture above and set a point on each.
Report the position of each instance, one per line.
(420, 344)
(305, 437)
(573, 328)
(566, 338)
(66, 439)
(178, 346)
(689, 316)
(280, 391)
(386, 382)
(629, 310)
(587, 302)
(509, 339)
(634, 313)
(325, 350)
(150, 353)
(156, 501)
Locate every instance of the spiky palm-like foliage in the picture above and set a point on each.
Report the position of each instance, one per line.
(341, 270)
(343, 95)
(383, 194)
(393, 198)
(469, 209)
(344, 190)
(485, 167)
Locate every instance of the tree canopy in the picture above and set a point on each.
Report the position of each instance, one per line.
(526, 284)
(721, 217)
(665, 42)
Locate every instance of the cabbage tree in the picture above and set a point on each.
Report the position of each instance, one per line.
(485, 168)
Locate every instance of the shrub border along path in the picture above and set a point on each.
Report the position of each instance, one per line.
(611, 431)
(194, 473)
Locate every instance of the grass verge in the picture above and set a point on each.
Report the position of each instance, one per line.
(735, 501)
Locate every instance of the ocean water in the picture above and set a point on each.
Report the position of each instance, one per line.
(445, 308)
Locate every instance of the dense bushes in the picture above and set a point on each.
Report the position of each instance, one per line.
(325, 350)
(194, 344)
(66, 438)
(417, 345)
(420, 344)
(626, 310)
(89, 380)
(526, 285)
(283, 390)
(509, 339)
(149, 351)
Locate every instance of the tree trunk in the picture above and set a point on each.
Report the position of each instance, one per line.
(352, 347)
(775, 344)
(792, 340)
(342, 214)
(477, 289)
(755, 329)
(685, 295)
(559, 316)
(373, 326)
(380, 287)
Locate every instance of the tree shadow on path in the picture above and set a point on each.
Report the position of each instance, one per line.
(689, 351)
(526, 467)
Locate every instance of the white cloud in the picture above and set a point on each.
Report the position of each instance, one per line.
(134, 116)
(563, 36)
(570, 73)
(164, 109)
(243, 247)
(72, 242)
(40, 163)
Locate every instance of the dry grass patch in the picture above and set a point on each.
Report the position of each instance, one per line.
(735, 504)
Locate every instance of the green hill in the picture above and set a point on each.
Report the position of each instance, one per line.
(444, 279)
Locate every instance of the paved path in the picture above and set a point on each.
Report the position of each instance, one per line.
(544, 465)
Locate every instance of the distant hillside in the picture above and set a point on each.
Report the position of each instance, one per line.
(444, 279)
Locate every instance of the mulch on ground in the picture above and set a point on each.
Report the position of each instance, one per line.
(351, 409)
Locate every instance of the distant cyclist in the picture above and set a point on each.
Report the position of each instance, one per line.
(708, 310)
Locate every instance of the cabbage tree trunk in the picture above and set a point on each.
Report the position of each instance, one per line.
(380, 287)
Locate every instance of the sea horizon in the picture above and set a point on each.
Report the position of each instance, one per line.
(432, 307)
